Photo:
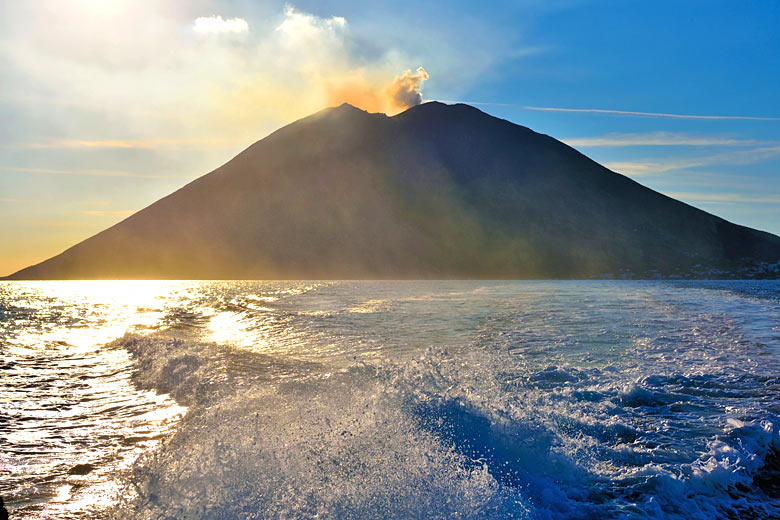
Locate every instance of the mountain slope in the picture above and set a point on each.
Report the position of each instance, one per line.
(437, 191)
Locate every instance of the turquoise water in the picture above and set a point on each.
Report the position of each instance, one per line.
(564, 399)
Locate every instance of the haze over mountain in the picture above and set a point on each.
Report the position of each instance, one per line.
(438, 191)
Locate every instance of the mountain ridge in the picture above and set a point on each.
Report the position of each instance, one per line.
(438, 191)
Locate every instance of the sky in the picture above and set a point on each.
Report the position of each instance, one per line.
(108, 106)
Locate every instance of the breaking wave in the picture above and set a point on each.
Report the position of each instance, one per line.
(443, 435)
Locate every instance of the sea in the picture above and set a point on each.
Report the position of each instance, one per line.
(390, 399)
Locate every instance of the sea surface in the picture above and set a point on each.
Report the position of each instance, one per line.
(456, 399)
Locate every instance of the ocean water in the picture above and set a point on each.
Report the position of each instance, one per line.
(532, 399)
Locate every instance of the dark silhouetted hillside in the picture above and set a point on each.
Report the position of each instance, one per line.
(439, 191)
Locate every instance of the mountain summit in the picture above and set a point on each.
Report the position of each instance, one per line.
(438, 191)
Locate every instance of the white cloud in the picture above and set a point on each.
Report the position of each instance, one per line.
(302, 28)
(312, 45)
(217, 25)
(129, 78)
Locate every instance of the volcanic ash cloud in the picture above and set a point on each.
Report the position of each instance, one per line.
(405, 90)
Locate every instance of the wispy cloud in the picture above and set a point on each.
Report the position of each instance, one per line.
(636, 168)
(96, 203)
(94, 173)
(726, 197)
(405, 92)
(51, 223)
(9, 200)
(610, 112)
(662, 139)
(175, 144)
(108, 213)
(28, 100)
(631, 113)
(652, 167)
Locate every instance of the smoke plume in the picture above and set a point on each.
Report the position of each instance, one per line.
(374, 94)
(405, 91)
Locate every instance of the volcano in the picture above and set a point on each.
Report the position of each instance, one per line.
(438, 191)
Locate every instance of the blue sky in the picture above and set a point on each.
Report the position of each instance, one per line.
(108, 106)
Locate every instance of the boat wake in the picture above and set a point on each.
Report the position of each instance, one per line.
(442, 435)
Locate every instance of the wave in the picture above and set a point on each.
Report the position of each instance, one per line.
(447, 434)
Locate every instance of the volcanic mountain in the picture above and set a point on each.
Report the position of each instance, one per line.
(438, 191)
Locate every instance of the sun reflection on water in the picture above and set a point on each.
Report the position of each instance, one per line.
(73, 418)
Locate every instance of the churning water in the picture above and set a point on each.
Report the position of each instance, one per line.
(545, 400)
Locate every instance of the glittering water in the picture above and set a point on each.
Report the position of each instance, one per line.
(390, 399)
